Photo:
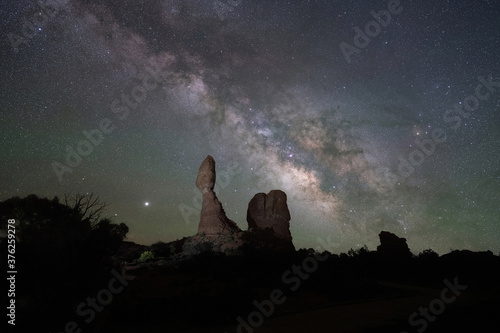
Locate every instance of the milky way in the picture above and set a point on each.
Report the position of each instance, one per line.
(370, 116)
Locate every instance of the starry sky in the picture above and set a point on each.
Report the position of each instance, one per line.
(370, 115)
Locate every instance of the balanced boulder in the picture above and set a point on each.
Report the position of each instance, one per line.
(205, 180)
(213, 219)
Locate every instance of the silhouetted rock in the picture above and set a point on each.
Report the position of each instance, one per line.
(393, 246)
(213, 219)
(469, 258)
(270, 211)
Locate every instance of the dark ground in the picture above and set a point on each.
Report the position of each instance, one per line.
(360, 292)
(363, 293)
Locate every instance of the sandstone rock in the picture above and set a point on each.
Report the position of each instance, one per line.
(392, 245)
(213, 219)
(270, 211)
(206, 175)
(268, 221)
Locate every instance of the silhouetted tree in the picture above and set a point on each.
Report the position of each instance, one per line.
(60, 249)
(86, 207)
(359, 252)
(428, 254)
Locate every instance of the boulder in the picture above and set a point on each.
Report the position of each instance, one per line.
(393, 246)
(205, 180)
(270, 211)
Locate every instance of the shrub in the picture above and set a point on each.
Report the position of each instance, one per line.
(359, 252)
(205, 246)
(146, 256)
(161, 249)
(428, 254)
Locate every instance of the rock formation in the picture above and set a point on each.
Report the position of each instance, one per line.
(205, 180)
(213, 219)
(393, 246)
(268, 222)
(270, 211)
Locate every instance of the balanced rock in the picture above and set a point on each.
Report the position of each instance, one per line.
(205, 180)
(213, 219)
(270, 211)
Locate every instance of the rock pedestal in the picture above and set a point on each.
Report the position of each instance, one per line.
(268, 221)
(213, 219)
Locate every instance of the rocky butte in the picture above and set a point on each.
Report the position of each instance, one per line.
(268, 220)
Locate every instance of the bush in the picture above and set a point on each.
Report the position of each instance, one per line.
(205, 246)
(362, 251)
(146, 256)
(161, 249)
(428, 255)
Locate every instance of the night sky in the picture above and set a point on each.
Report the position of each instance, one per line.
(367, 123)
